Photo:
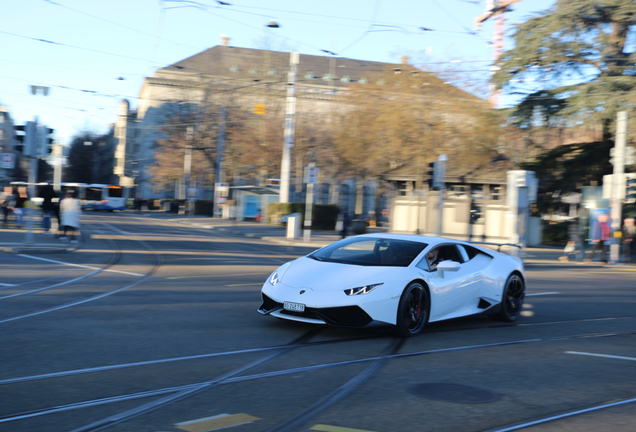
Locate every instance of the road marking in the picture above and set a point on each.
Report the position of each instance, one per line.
(611, 272)
(227, 275)
(565, 415)
(601, 355)
(327, 428)
(79, 265)
(217, 422)
(7, 285)
(541, 294)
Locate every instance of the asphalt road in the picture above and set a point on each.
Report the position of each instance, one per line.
(152, 326)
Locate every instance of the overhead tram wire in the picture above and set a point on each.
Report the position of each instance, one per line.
(117, 24)
(234, 6)
(76, 47)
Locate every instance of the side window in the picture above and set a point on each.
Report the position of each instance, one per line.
(439, 254)
(463, 253)
(471, 251)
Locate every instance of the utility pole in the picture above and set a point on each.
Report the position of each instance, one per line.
(57, 168)
(618, 182)
(220, 148)
(187, 165)
(440, 182)
(495, 9)
(290, 124)
(30, 144)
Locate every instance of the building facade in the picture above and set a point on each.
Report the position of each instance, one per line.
(252, 78)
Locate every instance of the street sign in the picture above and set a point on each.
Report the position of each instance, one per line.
(259, 109)
(7, 161)
(629, 156)
(311, 174)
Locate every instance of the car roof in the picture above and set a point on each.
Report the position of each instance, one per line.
(431, 240)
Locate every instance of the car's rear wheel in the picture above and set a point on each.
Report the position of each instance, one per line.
(512, 299)
(413, 308)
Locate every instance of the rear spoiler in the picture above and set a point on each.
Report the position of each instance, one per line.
(499, 245)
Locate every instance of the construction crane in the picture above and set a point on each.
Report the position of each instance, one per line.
(496, 9)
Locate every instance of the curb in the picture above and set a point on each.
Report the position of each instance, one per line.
(36, 250)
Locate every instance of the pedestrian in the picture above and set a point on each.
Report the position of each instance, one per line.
(7, 201)
(56, 210)
(342, 223)
(22, 196)
(629, 236)
(70, 211)
(600, 236)
(48, 207)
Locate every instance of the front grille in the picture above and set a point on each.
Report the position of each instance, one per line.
(269, 304)
(346, 316)
(350, 316)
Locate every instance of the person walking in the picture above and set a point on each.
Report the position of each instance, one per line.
(22, 196)
(48, 207)
(342, 223)
(7, 201)
(70, 211)
(629, 236)
(600, 235)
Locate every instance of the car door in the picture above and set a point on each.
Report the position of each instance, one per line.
(452, 293)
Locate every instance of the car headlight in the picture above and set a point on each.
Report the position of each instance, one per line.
(273, 280)
(361, 290)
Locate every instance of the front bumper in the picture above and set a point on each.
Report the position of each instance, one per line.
(341, 316)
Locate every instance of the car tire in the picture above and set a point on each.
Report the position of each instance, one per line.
(511, 299)
(413, 309)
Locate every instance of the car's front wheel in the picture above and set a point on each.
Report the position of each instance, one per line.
(413, 309)
(512, 299)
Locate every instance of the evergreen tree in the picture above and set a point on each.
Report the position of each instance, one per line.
(81, 159)
(581, 54)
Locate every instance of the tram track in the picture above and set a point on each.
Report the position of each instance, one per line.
(271, 348)
(115, 259)
(177, 393)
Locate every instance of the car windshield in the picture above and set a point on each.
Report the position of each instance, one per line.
(369, 251)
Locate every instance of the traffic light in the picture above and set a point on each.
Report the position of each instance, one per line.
(630, 188)
(46, 145)
(26, 137)
(20, 138)
(431, 175)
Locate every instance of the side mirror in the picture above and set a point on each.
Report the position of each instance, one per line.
(448, 265)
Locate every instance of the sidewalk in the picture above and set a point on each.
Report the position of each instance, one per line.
(534, 256)
(13, 239)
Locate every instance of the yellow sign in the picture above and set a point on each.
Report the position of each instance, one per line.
(259, 108)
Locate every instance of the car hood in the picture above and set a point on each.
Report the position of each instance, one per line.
(325, 276)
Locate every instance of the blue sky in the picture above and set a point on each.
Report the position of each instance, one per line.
(94, 53)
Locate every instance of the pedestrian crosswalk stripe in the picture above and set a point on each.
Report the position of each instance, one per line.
(327, 428)
(216, 422)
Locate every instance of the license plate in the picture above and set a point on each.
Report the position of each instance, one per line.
(295, 307)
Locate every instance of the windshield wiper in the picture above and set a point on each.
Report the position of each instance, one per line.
(316, 258)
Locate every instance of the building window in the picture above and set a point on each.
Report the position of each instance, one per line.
(458, 191)
(402, 188)
(495, 193)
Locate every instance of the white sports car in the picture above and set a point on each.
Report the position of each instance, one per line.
(400, 280)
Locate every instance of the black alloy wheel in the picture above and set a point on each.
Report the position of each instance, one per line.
(512, 299)
(413, 310)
